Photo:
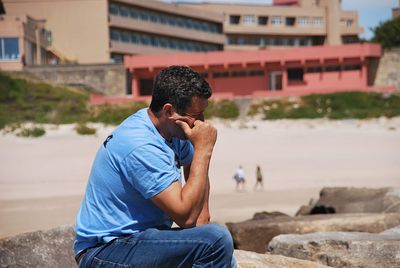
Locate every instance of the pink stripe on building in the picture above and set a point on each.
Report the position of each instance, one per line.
(263, 73)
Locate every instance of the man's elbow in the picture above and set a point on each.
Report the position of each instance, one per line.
(186, 222)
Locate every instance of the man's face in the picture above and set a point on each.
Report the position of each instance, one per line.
(194, 112)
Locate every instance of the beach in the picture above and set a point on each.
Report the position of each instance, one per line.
(42, 180)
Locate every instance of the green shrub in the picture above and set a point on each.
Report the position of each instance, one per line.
(31, 132)
(343, 105)
(115, 114)
(83, 129)
(22, 101)
(223, 109)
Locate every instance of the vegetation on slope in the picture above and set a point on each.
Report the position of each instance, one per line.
(343, 105)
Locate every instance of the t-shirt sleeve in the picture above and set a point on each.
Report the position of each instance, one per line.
(150, 170)
(186, 152)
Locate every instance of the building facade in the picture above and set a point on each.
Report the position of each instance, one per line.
(263, 73)
(106, 30)
(23, 41)
(286, 23)
(396, 11)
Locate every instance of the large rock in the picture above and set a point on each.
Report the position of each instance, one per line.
(248, 259)
(254, 235)
(354, 200)
(52, 248)
(340, 249)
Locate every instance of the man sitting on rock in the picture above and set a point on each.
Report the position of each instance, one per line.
(134, 191)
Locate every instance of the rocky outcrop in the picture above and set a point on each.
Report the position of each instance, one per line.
(248, 259)
(354, 200)
(52, 248)
(254, 235)
(340, 249)
(388, 71)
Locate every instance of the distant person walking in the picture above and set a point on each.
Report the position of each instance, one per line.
(239, 177)
(259, 179)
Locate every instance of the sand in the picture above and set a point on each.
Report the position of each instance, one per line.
(42, 180)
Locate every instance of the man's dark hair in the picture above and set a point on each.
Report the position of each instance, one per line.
(177, 85)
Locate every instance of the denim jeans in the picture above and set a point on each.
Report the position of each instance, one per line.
(209, 245)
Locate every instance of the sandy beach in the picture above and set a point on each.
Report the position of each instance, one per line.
(42, 180)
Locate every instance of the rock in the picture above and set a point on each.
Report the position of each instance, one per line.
(52, 248)
(266, 215)
(254, 235)
(341, 249)
(248, 259)
(355, 200)
(392, 231)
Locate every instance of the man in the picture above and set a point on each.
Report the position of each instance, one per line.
(134, 191)
(240, 179)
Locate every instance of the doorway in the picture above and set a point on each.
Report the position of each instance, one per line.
(275, 81)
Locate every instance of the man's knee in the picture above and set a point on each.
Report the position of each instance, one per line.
(219, 237)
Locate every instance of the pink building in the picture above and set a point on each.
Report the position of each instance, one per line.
(269, 72)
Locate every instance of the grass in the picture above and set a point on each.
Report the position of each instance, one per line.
(33, 131)
(223, 109)
(32, 101)
(83, 129)
(24, 101)
(345, 105)
(115, 114)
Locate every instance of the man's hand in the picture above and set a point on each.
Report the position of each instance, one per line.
(203, 135)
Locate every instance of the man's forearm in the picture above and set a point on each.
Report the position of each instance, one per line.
(194, 191)
(204, 217)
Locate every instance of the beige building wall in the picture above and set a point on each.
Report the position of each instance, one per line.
(79, 28)
(333, 22)
(126, 18)
(32, 40)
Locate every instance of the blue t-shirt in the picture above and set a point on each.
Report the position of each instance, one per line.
(134, 164)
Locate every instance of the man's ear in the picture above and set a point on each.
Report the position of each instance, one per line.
(168, 109)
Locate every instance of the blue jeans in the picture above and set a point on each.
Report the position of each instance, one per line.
(209, 245)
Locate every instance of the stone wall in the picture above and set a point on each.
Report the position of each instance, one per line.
(108, 79)
(388, 73)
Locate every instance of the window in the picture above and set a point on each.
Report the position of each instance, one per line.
(318, 21)
(117, 58)
(295, 74)
(125, 37)
(144, 15)
(133, 13)
(249, 20)
(220, 74)
(349, 39)
(303, 21)
(113, 9)
(146, 87)
(353, 67)
(145, 40)
(234, 19)
(115, 35)
(239, 73)
(332, 69)
(9, 48)
(314, 69)
(349, 23)
(262, 20)
(276, 20)
(290, 21)
(124, 11)
(153, 17)
(256, 73)
(134, 38)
